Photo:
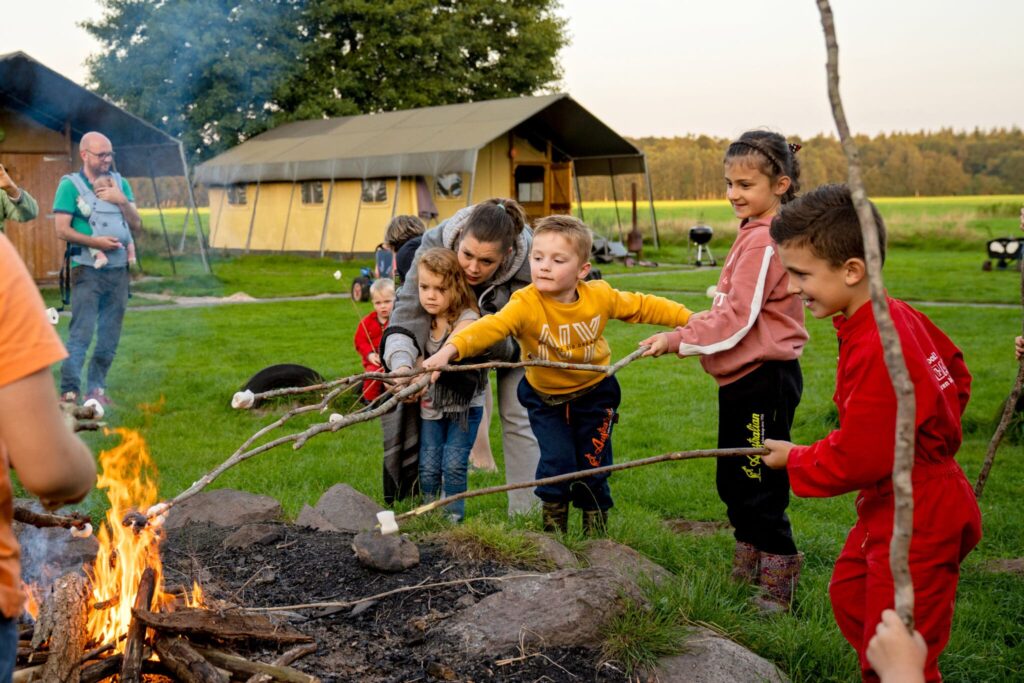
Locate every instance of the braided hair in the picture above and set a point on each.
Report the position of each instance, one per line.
(771, 154)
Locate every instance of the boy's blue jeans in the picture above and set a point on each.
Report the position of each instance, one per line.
(98, 301)
(444, 457)
(575, 436)
(8, 648)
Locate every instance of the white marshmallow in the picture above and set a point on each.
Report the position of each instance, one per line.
(712, 291)
(84, 532)
(52, 315)
(388, 525)
(335, 417)
(243, 400)
(337, 275)
(97, 407)
(156, 509)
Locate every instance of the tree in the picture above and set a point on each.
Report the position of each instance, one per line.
(216, 72)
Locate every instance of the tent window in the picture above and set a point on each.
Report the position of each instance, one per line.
(448, 185)
(312, 192)
(529, 183)
(375, 190)
(236, 194)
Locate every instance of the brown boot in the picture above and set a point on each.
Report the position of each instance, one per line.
(555, 517)
(595, 522)
(746, 563)
(779, 576)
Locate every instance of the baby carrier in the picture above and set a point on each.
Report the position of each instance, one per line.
(104, 218)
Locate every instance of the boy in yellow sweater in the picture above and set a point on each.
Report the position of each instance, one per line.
(561, 317)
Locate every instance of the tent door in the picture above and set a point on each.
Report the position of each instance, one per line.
(561, 188)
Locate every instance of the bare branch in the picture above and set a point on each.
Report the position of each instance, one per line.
(899, 550)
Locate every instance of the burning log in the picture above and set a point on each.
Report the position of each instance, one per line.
(225, 626)
(76, 520)
(238, 665)
(185, 663)
(103, 670)
(131, 669)
(62, 624)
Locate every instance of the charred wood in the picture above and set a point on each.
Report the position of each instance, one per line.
(223, 625)
(131, 668)
(185, 663)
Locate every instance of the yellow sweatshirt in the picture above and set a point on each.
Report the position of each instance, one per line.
(570, 333)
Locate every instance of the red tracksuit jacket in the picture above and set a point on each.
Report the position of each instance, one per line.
(367, 341)
(859, 456)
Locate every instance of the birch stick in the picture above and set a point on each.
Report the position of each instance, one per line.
(903, 493)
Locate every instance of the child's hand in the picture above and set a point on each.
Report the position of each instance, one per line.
(1020, 348)
(778, 455)
(439, 360)
(374, 358)
(894, 654)
(658, 345)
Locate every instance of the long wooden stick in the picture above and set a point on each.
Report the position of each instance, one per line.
(299, 439)
(582, 474)
(76, 520)
(903, 493)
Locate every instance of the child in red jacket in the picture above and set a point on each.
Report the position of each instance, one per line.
(370, 331)
(820, 244)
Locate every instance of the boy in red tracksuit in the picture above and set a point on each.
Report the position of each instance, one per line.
(369, 332)
(820, 244)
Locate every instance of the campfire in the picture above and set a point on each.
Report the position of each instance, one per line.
(117, 620)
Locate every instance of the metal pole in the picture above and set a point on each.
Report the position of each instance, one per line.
(472, 179)
(220, 210)
(615, 198)
(163, 225)
(579, 195)
(288, 217)
(252, 218)
(650, 202)
(327, 215)
(359, 211)
(200, 235)
(394, 203)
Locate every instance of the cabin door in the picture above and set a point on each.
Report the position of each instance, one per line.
(36, 240)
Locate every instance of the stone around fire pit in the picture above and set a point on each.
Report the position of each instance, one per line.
(624, 561)
(392, 553)
(254, 534)
(711, 658)
(311, 519)
(552, 552)
(223, 507)
(348, 510)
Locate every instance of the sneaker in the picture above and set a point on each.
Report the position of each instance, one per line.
(69, 398)
(100, 396)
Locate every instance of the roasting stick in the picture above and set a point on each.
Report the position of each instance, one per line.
(139, 520)
(389, 520)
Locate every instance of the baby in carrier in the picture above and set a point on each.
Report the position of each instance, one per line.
(105, 219)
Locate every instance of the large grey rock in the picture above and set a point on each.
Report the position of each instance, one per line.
(710, 658)
(392, 553)
(311, 519)
(565, 608)
(624, 561)
(346, 509)
(551, 552)
(223, 507)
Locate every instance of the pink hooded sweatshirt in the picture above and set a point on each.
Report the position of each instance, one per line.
(753, 318)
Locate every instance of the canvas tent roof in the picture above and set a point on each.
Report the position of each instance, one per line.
(428, 141)
(50, 99)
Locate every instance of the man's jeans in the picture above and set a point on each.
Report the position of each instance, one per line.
(98, 301)
(444, 454)
(8, 648)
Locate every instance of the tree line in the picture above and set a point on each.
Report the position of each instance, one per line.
(946, 162)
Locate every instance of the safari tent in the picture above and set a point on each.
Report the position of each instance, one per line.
(331, 185)
(43, 115)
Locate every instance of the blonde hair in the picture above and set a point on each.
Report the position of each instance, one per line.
(381, 285)
(445, 264)
(572, 229)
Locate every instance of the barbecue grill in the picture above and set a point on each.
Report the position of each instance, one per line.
(700, 235)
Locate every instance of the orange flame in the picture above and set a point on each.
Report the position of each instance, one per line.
(129, 478)
(31, 600)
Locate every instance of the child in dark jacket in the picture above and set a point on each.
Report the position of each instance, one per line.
(820, 244)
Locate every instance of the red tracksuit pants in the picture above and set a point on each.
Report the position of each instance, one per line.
(947, 525)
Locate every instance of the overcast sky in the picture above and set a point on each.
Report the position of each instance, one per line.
(675, 67)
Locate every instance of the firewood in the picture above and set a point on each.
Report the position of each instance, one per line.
(131, 668)
(284, 660)
(62, 624)
(29, 675)
(104, 669)
(185, 663)
(42, 520)
(222, 625)
(239, 665)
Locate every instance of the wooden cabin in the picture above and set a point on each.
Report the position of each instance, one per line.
(43, 116)
(332, 185)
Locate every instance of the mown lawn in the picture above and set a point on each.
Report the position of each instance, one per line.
(176, 371)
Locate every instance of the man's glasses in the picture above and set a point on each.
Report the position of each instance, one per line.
(100, 155)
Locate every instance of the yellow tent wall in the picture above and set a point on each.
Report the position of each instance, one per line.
(284, 223)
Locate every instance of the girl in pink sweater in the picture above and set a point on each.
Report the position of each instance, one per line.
(750, 342)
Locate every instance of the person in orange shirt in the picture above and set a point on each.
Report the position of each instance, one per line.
(51, 462)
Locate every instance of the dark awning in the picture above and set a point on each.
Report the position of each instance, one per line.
(428, 142)
(52, 100)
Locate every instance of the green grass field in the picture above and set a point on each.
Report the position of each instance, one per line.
(177, 369)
